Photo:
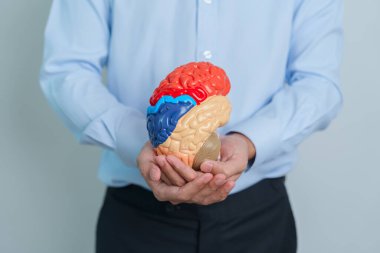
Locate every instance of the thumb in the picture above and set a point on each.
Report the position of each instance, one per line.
(228, 168)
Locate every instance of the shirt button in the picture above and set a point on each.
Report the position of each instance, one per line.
(207, 54)
(208, 1)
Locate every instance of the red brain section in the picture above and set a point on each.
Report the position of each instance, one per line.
(196, 79)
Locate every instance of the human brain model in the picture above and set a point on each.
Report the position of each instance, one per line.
(186, 109)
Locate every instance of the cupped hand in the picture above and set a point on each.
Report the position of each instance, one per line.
(175, 172)
(236, 150)
(186, 193)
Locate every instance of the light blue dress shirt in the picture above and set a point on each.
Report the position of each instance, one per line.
(282, 58)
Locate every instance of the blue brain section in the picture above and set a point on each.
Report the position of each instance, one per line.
(163, 117)
(170, 99)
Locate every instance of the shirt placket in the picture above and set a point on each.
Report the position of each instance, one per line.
(206, 30)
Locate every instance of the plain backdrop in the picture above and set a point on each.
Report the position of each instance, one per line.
(50, 195)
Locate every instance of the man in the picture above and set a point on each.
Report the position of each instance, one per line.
(282, 58)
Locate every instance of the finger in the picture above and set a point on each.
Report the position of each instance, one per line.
(146, 155)
(182, 169)
(217, 181)
(234, 177)
(228, 168)
(187, 191)
(169, 172)
(165, 179)
(154, 173)
(162, 191)
(221, 180)
(211, 187)
(219, 195)
(165, 192)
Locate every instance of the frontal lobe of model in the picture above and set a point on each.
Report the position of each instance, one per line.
(186, 109)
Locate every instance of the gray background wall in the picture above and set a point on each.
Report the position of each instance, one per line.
(49, 194)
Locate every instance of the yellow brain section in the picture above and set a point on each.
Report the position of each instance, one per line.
(195, 127)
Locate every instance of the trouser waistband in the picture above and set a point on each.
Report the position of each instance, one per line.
(236, 204)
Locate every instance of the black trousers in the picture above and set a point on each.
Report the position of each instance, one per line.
(256, 220)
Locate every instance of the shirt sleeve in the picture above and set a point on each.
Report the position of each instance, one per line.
(76, 49)
(311, 97)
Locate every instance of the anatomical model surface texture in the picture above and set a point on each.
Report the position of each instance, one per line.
(186, 109)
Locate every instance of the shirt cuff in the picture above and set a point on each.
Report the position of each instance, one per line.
(122, 129)
(250, 161)
(263, 134)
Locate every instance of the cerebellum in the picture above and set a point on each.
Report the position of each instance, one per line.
(186, 109)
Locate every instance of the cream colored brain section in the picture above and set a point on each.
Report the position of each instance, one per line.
(195, 127)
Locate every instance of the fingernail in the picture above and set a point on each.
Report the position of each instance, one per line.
(207, 167)
(220, 182)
